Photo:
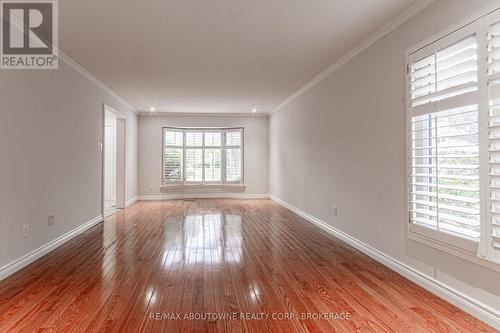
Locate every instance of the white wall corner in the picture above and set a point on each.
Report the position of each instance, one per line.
(27, 259)
(464, 302)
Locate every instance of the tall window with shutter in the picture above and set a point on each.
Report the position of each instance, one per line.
(202, 156)
(445, 138)
(233, 156)
(173, 156)
(454, 139)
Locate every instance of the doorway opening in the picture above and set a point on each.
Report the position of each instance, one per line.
(113, 189)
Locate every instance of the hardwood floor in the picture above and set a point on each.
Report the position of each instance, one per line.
(155, 261)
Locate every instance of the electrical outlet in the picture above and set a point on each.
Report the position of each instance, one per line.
(151, 187)
(335, 210)
(52, 219)
(26, 231)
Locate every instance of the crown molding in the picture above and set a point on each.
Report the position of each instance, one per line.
(72, 63)
(201, 114)
(379, 34)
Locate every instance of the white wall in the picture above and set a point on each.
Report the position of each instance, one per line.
(256, 154)
(343, 142)
(50, 124)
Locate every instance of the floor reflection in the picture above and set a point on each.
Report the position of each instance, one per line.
(211, 256)
(212, 238)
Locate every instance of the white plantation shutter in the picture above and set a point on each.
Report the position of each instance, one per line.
(173, 164)
(446, 78)
(194, 139)
(174, 138)
(493, 70)
(213, 156)
(444, 140)
(202, 156)
(233, 156)
(194, 165)
(213, 139)
(213, 165)
(454, 141)
(194, 156)
(233, 139)
(233, 164)
(173, 157)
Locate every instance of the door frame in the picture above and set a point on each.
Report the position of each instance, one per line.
(120, 148)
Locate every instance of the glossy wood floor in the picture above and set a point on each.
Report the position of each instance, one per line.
(155, 261)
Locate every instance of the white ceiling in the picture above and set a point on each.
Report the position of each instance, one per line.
(214, 55)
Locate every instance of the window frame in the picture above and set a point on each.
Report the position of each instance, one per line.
(223, 164)
(224, 151)
(164, 146)
(418, 231)
(204, 184)
(461, 246)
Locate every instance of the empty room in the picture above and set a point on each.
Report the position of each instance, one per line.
(250, 166)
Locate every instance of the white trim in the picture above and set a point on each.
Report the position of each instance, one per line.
(454, 27)
(160, 197)
(131, 201)
(27, 259)
(118, 114)
(464, 302)
(443, 236)
(181, 187)
(454, 250)
(110, 212)
(94, 80)
(202, 114)
(378, 35)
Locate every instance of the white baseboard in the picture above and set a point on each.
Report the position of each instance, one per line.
(131, 201)
(159, 197)
(464, 302)
(108, 213)
(24, 261)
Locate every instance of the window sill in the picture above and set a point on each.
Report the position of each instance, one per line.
(182, 187)
(457, 246)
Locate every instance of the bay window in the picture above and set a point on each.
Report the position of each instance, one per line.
(202, 156)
